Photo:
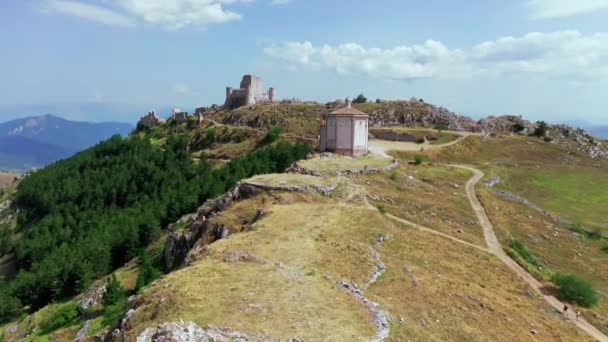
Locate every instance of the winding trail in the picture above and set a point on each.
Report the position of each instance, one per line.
(493, 245)
(436, 232)
(496, 249)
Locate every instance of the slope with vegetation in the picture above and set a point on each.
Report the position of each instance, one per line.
(394, 254)
(88, 215)
(291, 274)
(547, 205)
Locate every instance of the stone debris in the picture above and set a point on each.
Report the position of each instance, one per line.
(322, 189)
(240, 256)
(381, 319)
(190, 332)
(94, 295)
(83, 333)
(515, 198)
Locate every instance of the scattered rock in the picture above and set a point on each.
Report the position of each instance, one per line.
(189, 331)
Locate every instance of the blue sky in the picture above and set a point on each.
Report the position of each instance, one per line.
(544, 59)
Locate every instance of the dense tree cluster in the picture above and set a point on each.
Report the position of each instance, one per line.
(82, 217)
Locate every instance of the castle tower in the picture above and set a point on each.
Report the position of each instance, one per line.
(271, 94)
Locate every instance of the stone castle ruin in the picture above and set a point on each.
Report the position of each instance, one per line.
(150, 120)
(250, 92)
(179, 115)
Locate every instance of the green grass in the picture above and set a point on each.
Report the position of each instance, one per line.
(579, 194)
(536, 171)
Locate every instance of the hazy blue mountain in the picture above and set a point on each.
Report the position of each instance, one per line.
(599, 131)
(37, 141)
(19, 153)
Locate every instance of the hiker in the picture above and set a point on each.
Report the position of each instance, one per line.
(578, 314)
(565, 311)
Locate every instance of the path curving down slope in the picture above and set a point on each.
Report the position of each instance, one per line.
(492, 242)
(496, 249)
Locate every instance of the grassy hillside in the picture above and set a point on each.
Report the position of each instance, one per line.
(281, 279)
(565, 183)
(559, 180)
(313, 267)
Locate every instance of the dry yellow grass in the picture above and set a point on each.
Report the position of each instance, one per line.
(340, 163)
(430, 195)
(450, 292)
(290, 179)
(6, 179)
(279, 280)
(300, 249)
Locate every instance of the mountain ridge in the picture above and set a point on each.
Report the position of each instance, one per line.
(36, 141)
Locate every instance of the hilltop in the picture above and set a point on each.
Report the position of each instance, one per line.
(337, 248)
(303, 119)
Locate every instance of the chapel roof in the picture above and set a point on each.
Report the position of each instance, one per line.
(348, 110)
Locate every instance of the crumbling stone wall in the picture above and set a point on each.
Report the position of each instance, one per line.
(251, 91)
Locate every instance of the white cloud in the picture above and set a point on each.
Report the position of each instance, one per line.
(557, 54)
(280, 2)
(177, 14)
(168, 14)
(562, 53)
(402, 62)
(544, 9)
(88, 12)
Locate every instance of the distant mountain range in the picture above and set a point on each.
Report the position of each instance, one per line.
(599, 131)
(37, 141)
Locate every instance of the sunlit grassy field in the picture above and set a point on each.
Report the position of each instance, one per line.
(339, 163)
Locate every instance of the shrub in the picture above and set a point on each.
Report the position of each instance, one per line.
(518, 126)
(605, 248)
(418, 159)
(148, 272)
(574, 289)
(113, 314)
(441, 127)
(272, 135)
(64, 316)
(524, 253)
(360, 99)
(114, 292)
(420, 141)
(547, 139)
(9, 305)
(378, 101)
(393, 176)
(541, 130)
(381, 209)
(210, 135)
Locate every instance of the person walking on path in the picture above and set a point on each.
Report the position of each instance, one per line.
(578, 314)
(565, 311)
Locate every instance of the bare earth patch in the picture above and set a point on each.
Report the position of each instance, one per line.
(6, 179)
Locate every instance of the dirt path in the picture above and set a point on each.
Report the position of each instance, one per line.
(492, 242)
(495, 247)
(433, 231)
(381, 147)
